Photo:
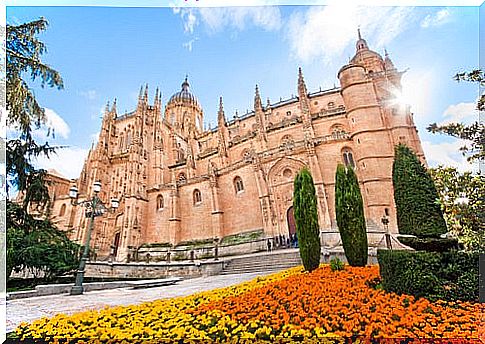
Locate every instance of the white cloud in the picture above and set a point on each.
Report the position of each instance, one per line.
(448, 154)
(90, 94)
(190, 44)
(437, 19)
(67, 161)
(462, 112)
(324, 32)
(188, 17)
(220, 18)
(54, 125)
(268, 18)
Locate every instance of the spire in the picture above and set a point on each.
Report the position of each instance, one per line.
(302, 92)
(156, 102)
(258, 105)
(145, 97)
(221, 119)
(361, 43)
(106, 109)
(268, 103)
(141, 92)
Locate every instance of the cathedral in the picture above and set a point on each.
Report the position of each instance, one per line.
(177, 182)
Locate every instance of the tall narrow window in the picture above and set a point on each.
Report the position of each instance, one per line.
(197, 196)
(63, 210)
(238, 184)
(348, 158)
(159, 202)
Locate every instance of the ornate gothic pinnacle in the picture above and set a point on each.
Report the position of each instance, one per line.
(113, 108)
(141, 92)
(221, 119)
(258, 105)
(302, 92)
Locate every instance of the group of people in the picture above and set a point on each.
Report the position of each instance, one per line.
(282, 241)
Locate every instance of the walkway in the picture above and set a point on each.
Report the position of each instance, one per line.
(47, 306)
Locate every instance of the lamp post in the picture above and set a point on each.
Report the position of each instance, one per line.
(94, 207)
(385, 222)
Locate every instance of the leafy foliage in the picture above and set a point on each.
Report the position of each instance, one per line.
(350, 216)
(465, 220)
(474, 132)
(336, 264)
(32, 243)
(35, 244)
(448, 276)
(306, 218)
(415, 195)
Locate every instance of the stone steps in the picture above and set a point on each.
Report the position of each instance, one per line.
(266, 262)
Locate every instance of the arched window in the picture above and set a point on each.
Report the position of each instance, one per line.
(238, 184)
(287, 139)
(348, 158)
(197, 196)
(159, 202)
(121, 142)
(63, 210)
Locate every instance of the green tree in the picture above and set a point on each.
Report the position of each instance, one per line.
(306, 219)
(350, 216)
(462, 199)
(415, 195)
(474, 133)
(31, 243)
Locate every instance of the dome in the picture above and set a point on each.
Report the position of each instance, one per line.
(184, 96)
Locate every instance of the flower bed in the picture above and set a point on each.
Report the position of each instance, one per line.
(322, 304)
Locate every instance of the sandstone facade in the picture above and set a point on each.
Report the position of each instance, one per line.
(178, 182)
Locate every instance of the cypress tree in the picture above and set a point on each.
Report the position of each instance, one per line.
(415, 195)
(350, 216)
(306, 219)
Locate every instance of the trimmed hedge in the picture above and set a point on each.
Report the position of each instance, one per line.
(431, 244)
(447, 276)
(415, 196)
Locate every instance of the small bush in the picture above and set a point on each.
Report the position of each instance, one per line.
(336, 264)
(448, 276)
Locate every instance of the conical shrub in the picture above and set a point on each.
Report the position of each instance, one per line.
(306, 219)
(415, 195)
(350, 216)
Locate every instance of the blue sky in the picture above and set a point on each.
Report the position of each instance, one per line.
(109, 52)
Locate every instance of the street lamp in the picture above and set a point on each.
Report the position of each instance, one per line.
(94, 207)
(385, 222)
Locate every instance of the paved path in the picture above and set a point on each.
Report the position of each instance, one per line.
(47, 306)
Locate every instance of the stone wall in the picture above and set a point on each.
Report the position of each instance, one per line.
(154, 270)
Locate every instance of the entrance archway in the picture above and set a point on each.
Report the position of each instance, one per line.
(290, 218)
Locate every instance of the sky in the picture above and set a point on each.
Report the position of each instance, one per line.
(107, 52)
